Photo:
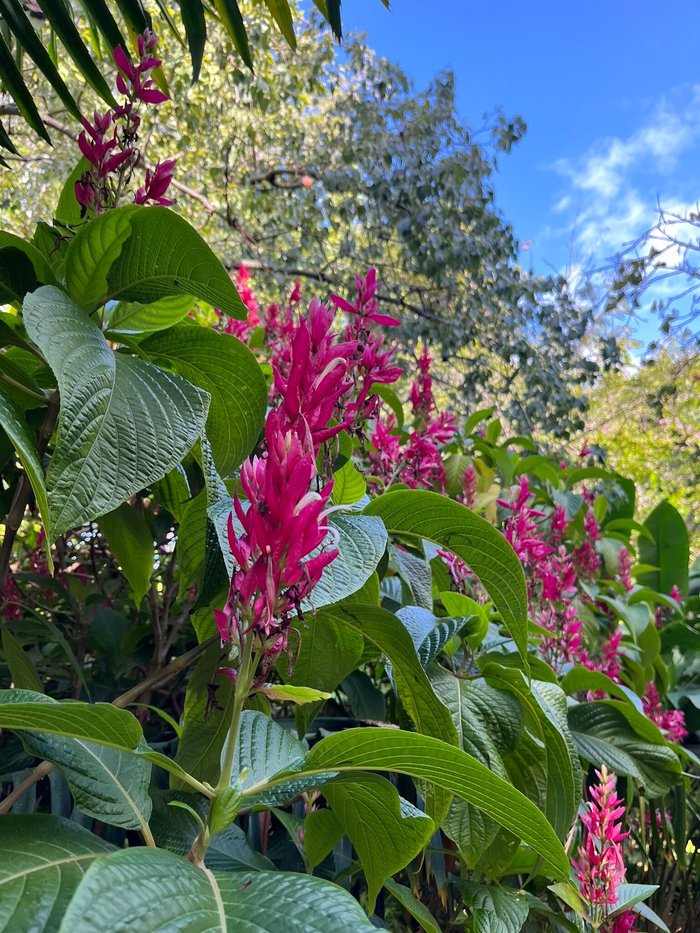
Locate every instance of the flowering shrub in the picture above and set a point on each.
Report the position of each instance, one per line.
(286, 639)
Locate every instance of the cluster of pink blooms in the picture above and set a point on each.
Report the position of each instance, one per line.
(670, 722)
(552, 573)
(415, 460)
(109, 142)
(600, 868)
(321, 385)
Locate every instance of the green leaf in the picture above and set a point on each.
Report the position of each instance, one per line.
(578, 679)
(105, 22)
(13, 83)
(386, 831)
(131, 542)
(494, 909)
(22, 268)
(283, 17)
(428, 633)
(669, 552)
(13, 422)
(428, 515)
(628, 895)
(226, 369)
(113, 896)
(383, 629)
(321, 832)
(123, 422)
(431, 760)
(140, 253)
(195, 24)
(264, 749)
(231, 17)
(546, 704)
(24, 676)
(603, 736)
(63, 25)
(349, 485)
(130, 317)
(489, 723)
(19, 24)
(204, 727)
(416, 576)
(94, 722)
(43, 861)
(410, 903)
(645, 911)
(321, 655)
(286, 693)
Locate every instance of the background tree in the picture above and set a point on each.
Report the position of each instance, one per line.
(318, 166)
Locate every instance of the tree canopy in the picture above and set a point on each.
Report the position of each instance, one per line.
(338, 163)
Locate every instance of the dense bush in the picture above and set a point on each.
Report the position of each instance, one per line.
(288, 647)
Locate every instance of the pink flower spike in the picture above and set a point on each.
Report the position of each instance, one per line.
(156, 184)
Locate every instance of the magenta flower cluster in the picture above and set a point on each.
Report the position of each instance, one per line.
(600, 868)
(322, 384)
(109, 142)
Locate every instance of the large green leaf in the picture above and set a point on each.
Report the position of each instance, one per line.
(422, 514)
(139, 253)
(494, 909)
(123, 422)
(604, 736)
(131, 541)
(150, 891)
(489, 723)
(438, 763)
(108, 784)
(428, 633)
(226, 369)
(669, 551)
(386, 831)
(94, 722)
(13, 422)
(546, 704)
(43, 861)
(264, 749)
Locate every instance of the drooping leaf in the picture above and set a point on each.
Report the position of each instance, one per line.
(436, 762)
(194, 21)
(386, 831)
(12, 81)
(410, 903)
(64, 26)
(22, 671)
(13, 422)
(131, 541)
(113, 896)
(123, 422)
(43, 861)
(139, 253)
(321, 832)
(226, 369)
(604, 736)
(22, 268)
(283, 17)
(205, 723)
(230, 14)
(422, 514)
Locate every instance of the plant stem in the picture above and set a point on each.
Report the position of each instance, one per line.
(243, 684)
(244, 680)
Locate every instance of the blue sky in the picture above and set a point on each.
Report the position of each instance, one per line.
(610, 92)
